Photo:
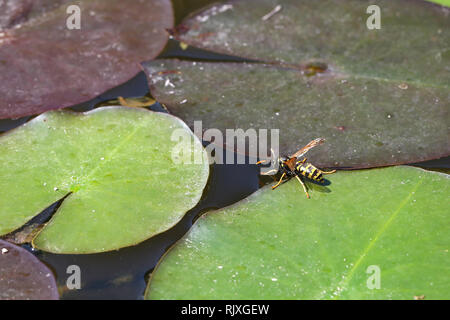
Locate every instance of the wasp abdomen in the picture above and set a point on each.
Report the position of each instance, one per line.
(309, 171)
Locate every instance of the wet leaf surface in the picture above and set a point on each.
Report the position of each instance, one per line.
(23, 276)
(379, 97)
(366, 122)
(44, 65)
(411, 44)
(118, 165)
(276, 244)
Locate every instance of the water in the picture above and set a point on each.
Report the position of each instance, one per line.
(122, 274)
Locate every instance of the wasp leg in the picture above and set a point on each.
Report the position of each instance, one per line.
(273, 171)
(303, 185)
(329, 172)
(279, 182)
(272, 153)
(272, 159)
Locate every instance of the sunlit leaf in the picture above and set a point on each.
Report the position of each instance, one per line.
(277, 244)
(117, 163)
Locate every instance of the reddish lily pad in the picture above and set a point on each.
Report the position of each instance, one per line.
(23, 276)
(44, 65)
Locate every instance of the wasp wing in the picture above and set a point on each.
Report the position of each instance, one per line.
(308, 147)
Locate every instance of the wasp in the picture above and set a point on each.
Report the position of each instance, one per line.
(293, 166)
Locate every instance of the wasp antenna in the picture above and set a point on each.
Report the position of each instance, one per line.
(320, 140)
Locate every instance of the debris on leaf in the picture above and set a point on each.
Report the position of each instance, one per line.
(139, 102)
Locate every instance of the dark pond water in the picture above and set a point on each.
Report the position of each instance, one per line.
(122, 274)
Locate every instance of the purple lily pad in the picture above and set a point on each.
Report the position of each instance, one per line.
(44, 65)
(23, 276)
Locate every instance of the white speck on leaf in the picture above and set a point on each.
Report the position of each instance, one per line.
(271, 13)
(168, 83)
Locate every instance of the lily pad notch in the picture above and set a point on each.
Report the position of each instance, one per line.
(118, 166)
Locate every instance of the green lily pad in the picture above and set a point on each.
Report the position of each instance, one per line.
(276, 244)
(118, 164)
(23, 276)
(379, 97)
(443, 2)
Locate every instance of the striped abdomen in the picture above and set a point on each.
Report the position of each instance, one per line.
(309, 171)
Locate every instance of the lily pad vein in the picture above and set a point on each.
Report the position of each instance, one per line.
(383, 228)
(113, 152)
